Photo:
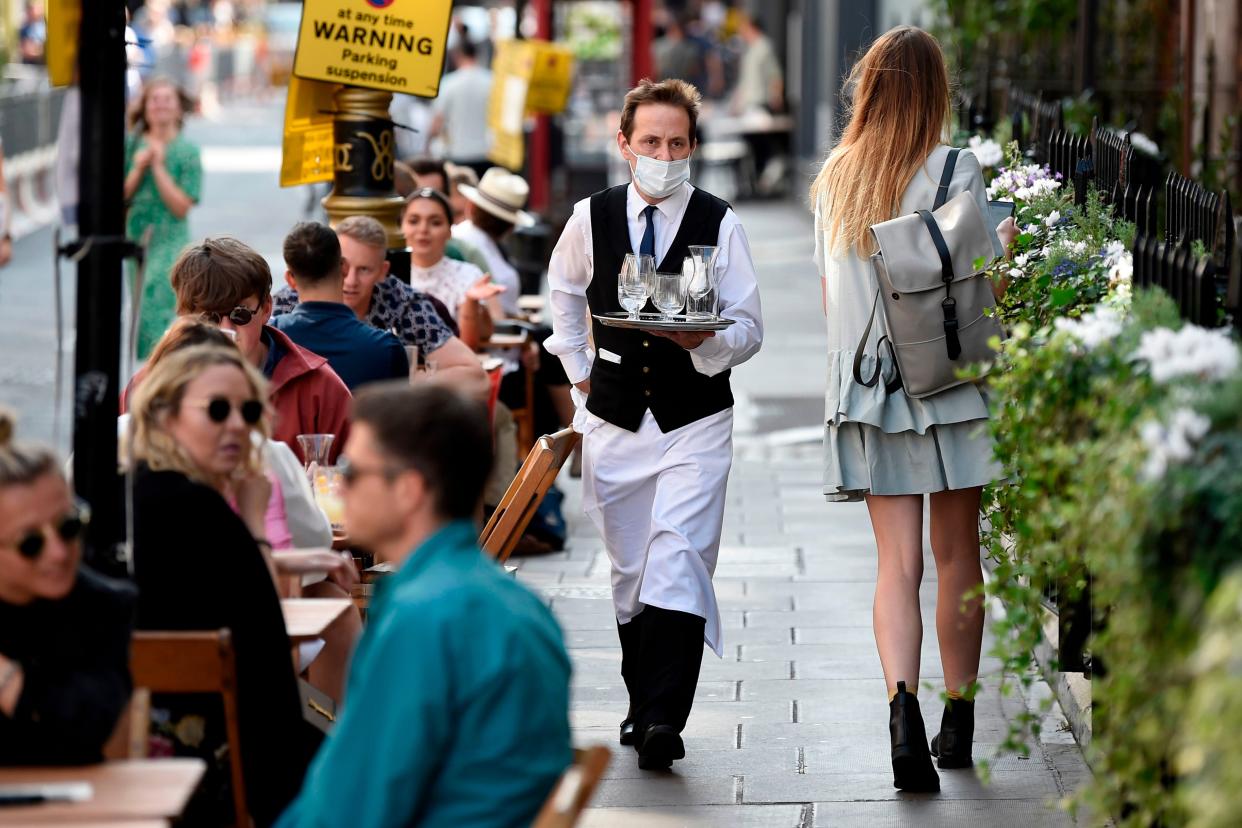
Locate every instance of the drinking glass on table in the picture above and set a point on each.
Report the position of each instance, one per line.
(633, 284)
(411, 354)
(669, 295)
(316, 448)
(327, 488)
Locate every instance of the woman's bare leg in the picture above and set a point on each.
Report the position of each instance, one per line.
(955, 545)
(897, 521)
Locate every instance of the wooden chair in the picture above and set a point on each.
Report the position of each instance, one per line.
(574, 789)
(195, 662)
(525, 493)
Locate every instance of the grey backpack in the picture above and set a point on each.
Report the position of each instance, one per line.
(939, 307)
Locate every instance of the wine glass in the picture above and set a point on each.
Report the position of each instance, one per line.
(670, 293)
(633, 288)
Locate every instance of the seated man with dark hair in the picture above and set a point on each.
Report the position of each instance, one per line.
(459, 689)
(229, 284)
(323, 322)
(385, 302)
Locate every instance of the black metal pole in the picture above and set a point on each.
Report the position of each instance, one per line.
(101, 224)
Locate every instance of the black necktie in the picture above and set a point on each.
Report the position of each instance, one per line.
(647, 246)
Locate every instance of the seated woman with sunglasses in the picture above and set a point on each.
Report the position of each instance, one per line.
(200, 565)
(64, 630)
(292, 519)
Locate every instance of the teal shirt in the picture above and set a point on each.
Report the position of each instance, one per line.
(456, 710)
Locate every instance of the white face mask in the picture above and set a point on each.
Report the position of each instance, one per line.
(659, 179)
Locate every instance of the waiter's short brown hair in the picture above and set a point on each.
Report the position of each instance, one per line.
(218, 274)
(671, 91)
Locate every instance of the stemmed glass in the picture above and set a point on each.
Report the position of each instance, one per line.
(634, 283)
(670, 293)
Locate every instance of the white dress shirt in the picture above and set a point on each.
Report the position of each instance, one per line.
(572, 267)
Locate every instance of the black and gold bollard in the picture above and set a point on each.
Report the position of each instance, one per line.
(365, 149)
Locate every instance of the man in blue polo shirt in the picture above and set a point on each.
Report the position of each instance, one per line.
(323, 323)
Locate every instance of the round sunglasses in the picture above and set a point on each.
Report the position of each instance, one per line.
(239, 316)
(69, 528)
(219, 408)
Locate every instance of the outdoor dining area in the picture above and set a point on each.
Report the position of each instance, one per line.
(183, 682)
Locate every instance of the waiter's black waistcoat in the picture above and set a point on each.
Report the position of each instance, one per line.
(654, 372)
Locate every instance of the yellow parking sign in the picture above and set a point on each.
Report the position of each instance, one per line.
(307, 147)
(530, 77)
(393, 45)
(64, 18)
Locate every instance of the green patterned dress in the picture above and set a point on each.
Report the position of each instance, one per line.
(169, 233)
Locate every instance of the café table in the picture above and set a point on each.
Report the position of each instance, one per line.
(307, 618)
(144, 792)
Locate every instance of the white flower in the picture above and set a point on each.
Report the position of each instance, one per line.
(1144, 144)
(1052, 218)
(1021, 259)
(1015, 273)
(1121, 271)
(1189, 352)
(1120, 297)
(986, 150)
(1092, 329)
(1173, 443)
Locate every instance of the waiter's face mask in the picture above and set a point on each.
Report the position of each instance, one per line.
(656, 178)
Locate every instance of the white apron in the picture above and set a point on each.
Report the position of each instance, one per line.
(658, 501)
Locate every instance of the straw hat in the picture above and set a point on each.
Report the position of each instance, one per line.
(502, 194)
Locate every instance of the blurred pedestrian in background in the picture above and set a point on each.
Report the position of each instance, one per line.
(163, 180)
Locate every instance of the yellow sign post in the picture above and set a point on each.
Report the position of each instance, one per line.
(530, 77)
(307, 147)
(392, 45)
(64, 19)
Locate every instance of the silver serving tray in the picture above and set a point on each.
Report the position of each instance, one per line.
(657, 322)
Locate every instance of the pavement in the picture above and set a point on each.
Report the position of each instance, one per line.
(790, 727)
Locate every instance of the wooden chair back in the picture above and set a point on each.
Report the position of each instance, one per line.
(516, 509)
(195, 662)
(574, 789)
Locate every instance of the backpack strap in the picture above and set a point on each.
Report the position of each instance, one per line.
(942, 193)
(892, 385)
(949, 305)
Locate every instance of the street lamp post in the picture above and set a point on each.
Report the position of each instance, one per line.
(101, 224)
(362, 183)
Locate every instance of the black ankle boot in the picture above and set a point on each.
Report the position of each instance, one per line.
(951, 746)
(912, 764)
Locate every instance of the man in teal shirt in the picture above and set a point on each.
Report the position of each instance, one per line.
(456, 709)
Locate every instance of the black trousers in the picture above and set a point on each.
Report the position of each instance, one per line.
(661, 653)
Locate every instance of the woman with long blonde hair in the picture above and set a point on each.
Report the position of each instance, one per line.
(201, 564)
(885, 447)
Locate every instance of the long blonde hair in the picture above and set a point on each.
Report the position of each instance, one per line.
(899, 113)
(160, 395)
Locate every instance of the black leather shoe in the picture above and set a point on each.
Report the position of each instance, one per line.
(661, 745)
(627, 733)
(912, 764)
(952, 745)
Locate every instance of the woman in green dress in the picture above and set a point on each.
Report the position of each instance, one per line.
(163, 180)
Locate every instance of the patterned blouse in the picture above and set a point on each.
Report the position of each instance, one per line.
(447, 280)
(395, 307)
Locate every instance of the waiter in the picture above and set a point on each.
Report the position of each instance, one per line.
(657, 423)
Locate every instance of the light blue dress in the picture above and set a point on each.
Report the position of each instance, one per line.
(456, 709)
(892, 444)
